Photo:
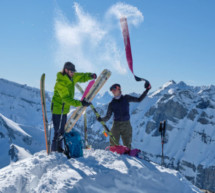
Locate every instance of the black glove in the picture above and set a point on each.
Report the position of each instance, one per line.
(93, 75)
(85, 103)
(147, 85)
(99, 119)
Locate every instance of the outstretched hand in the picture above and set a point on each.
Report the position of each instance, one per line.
(94, 76)
(99, 119)
(85, 103)
(147, 85)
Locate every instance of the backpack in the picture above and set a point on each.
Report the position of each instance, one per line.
(73, 144)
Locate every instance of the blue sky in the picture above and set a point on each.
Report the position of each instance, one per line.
(170, 40)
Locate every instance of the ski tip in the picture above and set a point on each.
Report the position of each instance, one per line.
(107, 71)
(43, 75)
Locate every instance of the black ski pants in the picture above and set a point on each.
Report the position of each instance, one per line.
(56, 144)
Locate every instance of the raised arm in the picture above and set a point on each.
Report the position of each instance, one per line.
(142, 96)
(83, 77)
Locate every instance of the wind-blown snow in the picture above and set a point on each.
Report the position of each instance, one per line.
(99, 171)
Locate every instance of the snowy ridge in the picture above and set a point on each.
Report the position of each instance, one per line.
(14, 126)
(98, 171)
(21, 102)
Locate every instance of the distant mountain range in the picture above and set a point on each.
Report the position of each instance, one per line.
(189, 112)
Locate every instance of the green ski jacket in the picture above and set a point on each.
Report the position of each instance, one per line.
(64, 91)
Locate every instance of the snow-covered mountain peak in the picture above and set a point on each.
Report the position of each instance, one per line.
(105, 94)
(171, 82)
(98, 171)
(165, 88)
(103, 98)
(172, 88)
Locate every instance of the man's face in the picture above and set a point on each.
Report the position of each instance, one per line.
(116, 91)
(69, 73)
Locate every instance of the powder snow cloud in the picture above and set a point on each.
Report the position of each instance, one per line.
(124, 10)
(88, 42)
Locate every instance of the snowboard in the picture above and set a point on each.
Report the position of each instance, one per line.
(100, 81)
(45, 118)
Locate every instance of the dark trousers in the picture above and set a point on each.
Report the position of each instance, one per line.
(122, 129)
(57, 145)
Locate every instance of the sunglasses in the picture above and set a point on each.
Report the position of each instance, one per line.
(114, 88)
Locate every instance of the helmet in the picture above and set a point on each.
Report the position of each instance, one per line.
(115, 86)
(69, 66)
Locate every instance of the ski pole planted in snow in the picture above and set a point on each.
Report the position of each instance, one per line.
(162, 130)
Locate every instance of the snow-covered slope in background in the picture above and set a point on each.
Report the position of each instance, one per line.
(11, 134)
(21, 103)
(21, 125)
(98, 171)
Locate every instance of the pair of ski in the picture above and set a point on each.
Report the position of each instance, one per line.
(91, 91)
(106, 130)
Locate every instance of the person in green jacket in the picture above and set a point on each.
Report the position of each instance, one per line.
(63, 98)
